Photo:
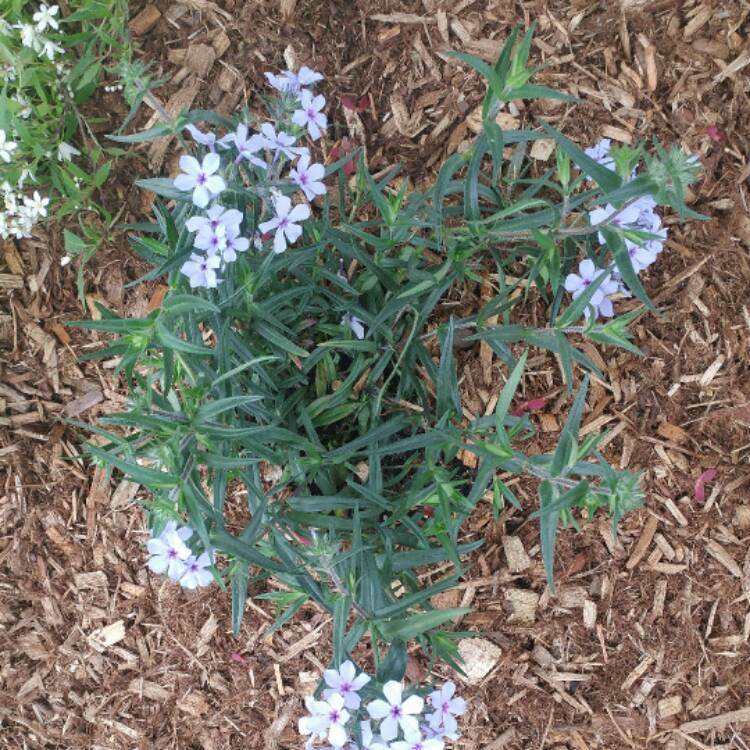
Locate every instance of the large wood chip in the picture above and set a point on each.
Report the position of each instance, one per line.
(716, 722)
(518, 560)
(719, 553)
(200, 58)
(643, 542)
(479, 656)
(735, 66)
(183, 99)
(102, 638)
(144, 21)
(523, 604)
(402, 18)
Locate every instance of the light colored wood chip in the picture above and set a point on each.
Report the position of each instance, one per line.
(672, 432)
(479, 656)
(144, 21)
(402, 18)
(638, 672)
(647, 535)
(11, 281)
(719, 553)
(102, 638)
(148, 689)
(589, 614)
(699, 20)
(542, 149)
(669, 706)
(741, 61)
(716, 722)
(515, 554)
(523, 604)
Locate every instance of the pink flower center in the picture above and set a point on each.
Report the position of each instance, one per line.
(283, 223)
(311, 113)
(346, 687)
(395, 711)
(202, 177)
(445, 707)
(334, 716)
(172, 553)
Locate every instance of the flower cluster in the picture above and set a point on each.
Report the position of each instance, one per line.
(19, 212)
(343, 720)
(641, 229)
(263, 154)
(169, 554)
(32, 34)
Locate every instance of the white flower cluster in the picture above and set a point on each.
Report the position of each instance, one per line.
(636, 217)
(218, 234)
(331, 722)
(169, 554)
(18, 212)
(32, 34)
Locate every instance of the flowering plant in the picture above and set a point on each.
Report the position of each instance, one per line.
(295, 409)
(51, 62)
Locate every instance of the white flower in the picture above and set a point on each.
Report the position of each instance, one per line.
(200, 178)
(201, 270)
(308, 177)
(50, 49)
(600, 301)
(370, 741)
(29, 37)
(396, 713)
(357, 325)
(281, 142)
(65, 260)
(6, 147)
(445, 708)
(213, 241)
(196, 571)
(346, 683)
(291, 83)
(415, 741)
(311, 116)
(284, 222)
(327, 720)
(37, 206)
(215, 216)
(234, 244)
(247, 145)
(66, 152)
(168, 551)
(205, 139)
(45, 17)
(600, 153)
(614, 217)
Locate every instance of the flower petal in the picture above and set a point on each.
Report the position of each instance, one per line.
(378, 709)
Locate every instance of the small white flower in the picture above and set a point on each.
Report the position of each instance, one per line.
(200, 178)
(357, 325)
(309, 177)
(346, 683)
(284, 222)
(196, 571)
(370, 741)
(50, 49)
(205, 139)
(576, 284)
(36, 205)
(65, 260)
(213, 241)
(66, 152)
(396, 712)
(311, 116)
(45, 17)
(614, 217)
(201, 270)
(168, 551)
(247, 145)
(280, 142)
(445, 708)
(29, 37)
(7, 147)
(291, 83)
(234, 244)
(215, 216)
(327, 720)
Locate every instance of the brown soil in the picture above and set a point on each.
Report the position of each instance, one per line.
(646, 636)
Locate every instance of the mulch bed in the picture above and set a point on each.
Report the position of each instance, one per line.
(645, 642)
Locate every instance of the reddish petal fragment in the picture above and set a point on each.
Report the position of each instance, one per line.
(536, 403)
(350, 103)
(237, 658)
(300, 539)
(700, 484)
(363, 104)
(349, 168)
(716, 134)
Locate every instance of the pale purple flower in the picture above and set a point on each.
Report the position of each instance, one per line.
(415, 741)
(200, 178)
(346, 683)
(168, 551)
(357, 325)
(310, 115)
(641, 256)
(247, 145)
(614, 217)
(394, 712)
(215, 216)
(327, 720)
(213, 241)
(284, 222)
(291, 83)
(201, 270)
(576, 284)
(446, 707)
(234, 244)
(205, 139)
(196, 571)
(308, 177)
(600, 153)
(280, 142)
(369, 741)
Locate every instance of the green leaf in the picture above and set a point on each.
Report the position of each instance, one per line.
(239, 597)
(393, 666)
(415, 625)
(485, 70)
(509, 389)
(548, 520)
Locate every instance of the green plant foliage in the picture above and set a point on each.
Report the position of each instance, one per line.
(364, 432)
